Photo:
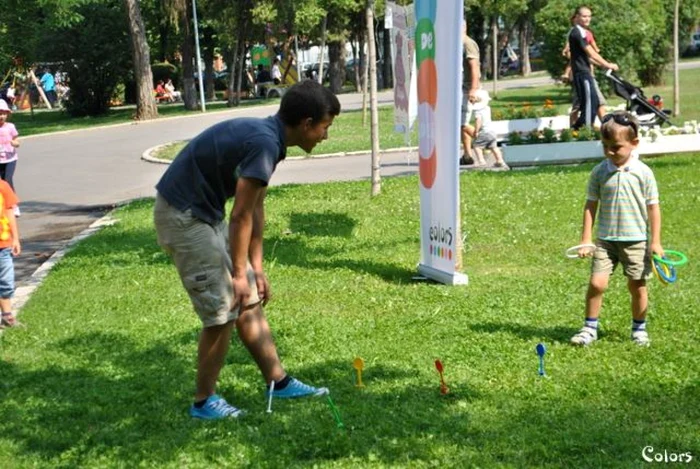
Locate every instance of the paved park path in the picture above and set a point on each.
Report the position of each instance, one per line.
(68, 180)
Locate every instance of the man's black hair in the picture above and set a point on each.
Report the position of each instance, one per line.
(307, 99)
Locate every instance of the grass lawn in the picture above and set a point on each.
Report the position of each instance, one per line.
(349, 134)
(103, 372)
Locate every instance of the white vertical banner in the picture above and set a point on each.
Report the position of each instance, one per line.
(439, 65)
(403, 51)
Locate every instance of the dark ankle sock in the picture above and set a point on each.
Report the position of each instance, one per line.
(200, 404)
(283, 382)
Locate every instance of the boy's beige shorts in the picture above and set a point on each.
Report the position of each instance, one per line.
(633, 255)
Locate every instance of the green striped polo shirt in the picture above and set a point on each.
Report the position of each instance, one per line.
(623, 195)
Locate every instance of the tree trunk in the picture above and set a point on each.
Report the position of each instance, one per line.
(238, 63)
(163, 36)
(189, 91)
(208, 56)
(234, 79)
(374, 112)
(676, 81)
(323, 49)
(358, 65)
(336, 66)
(365, 84)
(145, 101)
(524, 40)
(209, 91)
(387, 71)
(485, 51)
(496, 61)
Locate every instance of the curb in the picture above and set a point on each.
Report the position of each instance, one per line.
(23, 293)
(148, 154)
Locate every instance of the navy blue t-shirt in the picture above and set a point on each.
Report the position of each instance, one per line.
(580, 62)
(204, 174)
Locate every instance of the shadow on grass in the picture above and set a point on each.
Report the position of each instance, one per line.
(114, 247)
(523, 331)
(114, 400)
(322, 224)
(119, 246)
(297, 251)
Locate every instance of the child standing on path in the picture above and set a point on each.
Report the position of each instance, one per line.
(629, 214)
(9, 247)
(8, 147)
(481, 133)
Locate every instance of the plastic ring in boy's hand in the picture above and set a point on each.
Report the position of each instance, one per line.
(656, 271)
(572, 252)
(680, 258)
(666, 273)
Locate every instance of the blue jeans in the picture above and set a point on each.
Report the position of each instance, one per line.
(7, 274)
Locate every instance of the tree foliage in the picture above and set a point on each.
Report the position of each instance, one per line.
(96, 54)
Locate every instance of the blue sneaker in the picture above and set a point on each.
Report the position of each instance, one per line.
(215, 408)
(296, 388)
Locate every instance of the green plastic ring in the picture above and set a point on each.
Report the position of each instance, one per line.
(681, 259)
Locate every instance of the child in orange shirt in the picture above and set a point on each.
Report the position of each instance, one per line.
(9, 247)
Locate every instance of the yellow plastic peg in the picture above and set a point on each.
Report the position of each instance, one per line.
(359, 364)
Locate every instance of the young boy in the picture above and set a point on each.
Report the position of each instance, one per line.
(9, 246)
(481, 132)
(623, 191)
(220, 264)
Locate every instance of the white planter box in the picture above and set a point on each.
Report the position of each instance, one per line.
(552, 153)
(670, 144)
(575, 152)
(503, 128)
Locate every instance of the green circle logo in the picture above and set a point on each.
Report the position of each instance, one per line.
(425, 41)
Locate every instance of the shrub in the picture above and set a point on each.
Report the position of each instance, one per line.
(566, 135)
(585, 134)
(534, 136)
(515, 138)
(165, 70)
(94, 67)
(549, 135)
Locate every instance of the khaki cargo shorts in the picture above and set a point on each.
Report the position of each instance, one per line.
(201, 255)
(633, 255)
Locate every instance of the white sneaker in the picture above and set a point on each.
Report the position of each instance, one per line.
(17, 212)
(641, 338)
(585, 336)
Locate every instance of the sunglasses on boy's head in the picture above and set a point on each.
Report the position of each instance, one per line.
(621, 119)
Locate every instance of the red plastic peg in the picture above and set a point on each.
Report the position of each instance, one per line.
(443, 387)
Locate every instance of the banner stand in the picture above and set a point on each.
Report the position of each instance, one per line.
(438, 46)
(448, 278)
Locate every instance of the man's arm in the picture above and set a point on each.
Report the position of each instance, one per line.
(597, 59)
(255, 251)
(241, 229)
(476, 78)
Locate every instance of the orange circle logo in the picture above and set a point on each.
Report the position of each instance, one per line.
(427, 83)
